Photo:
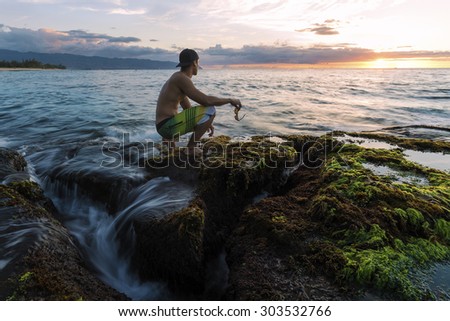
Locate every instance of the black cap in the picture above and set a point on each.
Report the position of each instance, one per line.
(187, 56)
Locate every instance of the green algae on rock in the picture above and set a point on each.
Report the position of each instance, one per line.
(365, 232)
(335, 220)
(228, 176)
(171, 247)
(383, 230)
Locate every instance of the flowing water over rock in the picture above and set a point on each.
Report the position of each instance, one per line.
(107, 239)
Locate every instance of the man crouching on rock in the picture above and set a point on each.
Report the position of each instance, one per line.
(176, 91)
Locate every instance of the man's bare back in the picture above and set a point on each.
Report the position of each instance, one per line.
(170, 98)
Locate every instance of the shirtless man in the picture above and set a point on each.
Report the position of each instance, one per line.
(176, 92)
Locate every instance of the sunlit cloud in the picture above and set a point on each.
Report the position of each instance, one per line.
(327, 28)
(87, 43)
(316, 55)
(89, 9)
(286, 54)
(248, 31)
(128, 12)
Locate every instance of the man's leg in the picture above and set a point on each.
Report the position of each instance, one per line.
(199, 130)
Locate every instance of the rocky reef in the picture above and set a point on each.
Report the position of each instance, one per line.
(364, 232)
(294, 217)
(39, 260)
(336, 229)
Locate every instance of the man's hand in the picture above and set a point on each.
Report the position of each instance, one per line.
(236, 103)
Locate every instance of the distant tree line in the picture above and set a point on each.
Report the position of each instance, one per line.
(31, 63)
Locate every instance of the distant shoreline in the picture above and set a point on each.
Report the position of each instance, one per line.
(27, 69)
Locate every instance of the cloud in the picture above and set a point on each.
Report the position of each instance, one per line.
(128, 12)
(414, 54)
(342, 52)
(93, 44)
(284, 54)
(39, 1)
(75, 41)
(124, 39)
(327, 28)
(324, 31)
(81, 34)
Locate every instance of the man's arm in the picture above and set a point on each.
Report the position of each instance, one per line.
(188, 88)
(185, 103)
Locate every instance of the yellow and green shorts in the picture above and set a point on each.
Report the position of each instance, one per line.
(185, 121)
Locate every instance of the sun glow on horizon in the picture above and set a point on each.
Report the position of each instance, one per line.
(394, 63)
(382, 63)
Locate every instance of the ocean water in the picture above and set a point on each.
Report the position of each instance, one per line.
(63, 106)
(61, 120)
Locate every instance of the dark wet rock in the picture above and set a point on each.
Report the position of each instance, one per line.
(39, 259)
(264, 248)
(172, 247)
(102, 185)
(229, 177)
(12, 166)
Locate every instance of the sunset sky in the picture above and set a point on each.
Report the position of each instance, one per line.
(353, 33)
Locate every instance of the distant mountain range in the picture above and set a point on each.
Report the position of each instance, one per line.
(86, 62)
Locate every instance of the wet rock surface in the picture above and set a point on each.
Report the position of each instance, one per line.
(39, 259)
(229, 176)
(12, 165)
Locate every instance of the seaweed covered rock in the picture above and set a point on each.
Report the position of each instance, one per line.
(171, 247)
(383, 227)
(229, 175)
(346, 226)
(233, 174)
(303, 218)
(263, 250)
(39, 259)
(12, 166)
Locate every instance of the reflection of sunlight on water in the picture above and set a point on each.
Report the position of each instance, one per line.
(302, 101)
(365, 142)
(397, 176)
(434, 160)
(393, 63)
(438, 161)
